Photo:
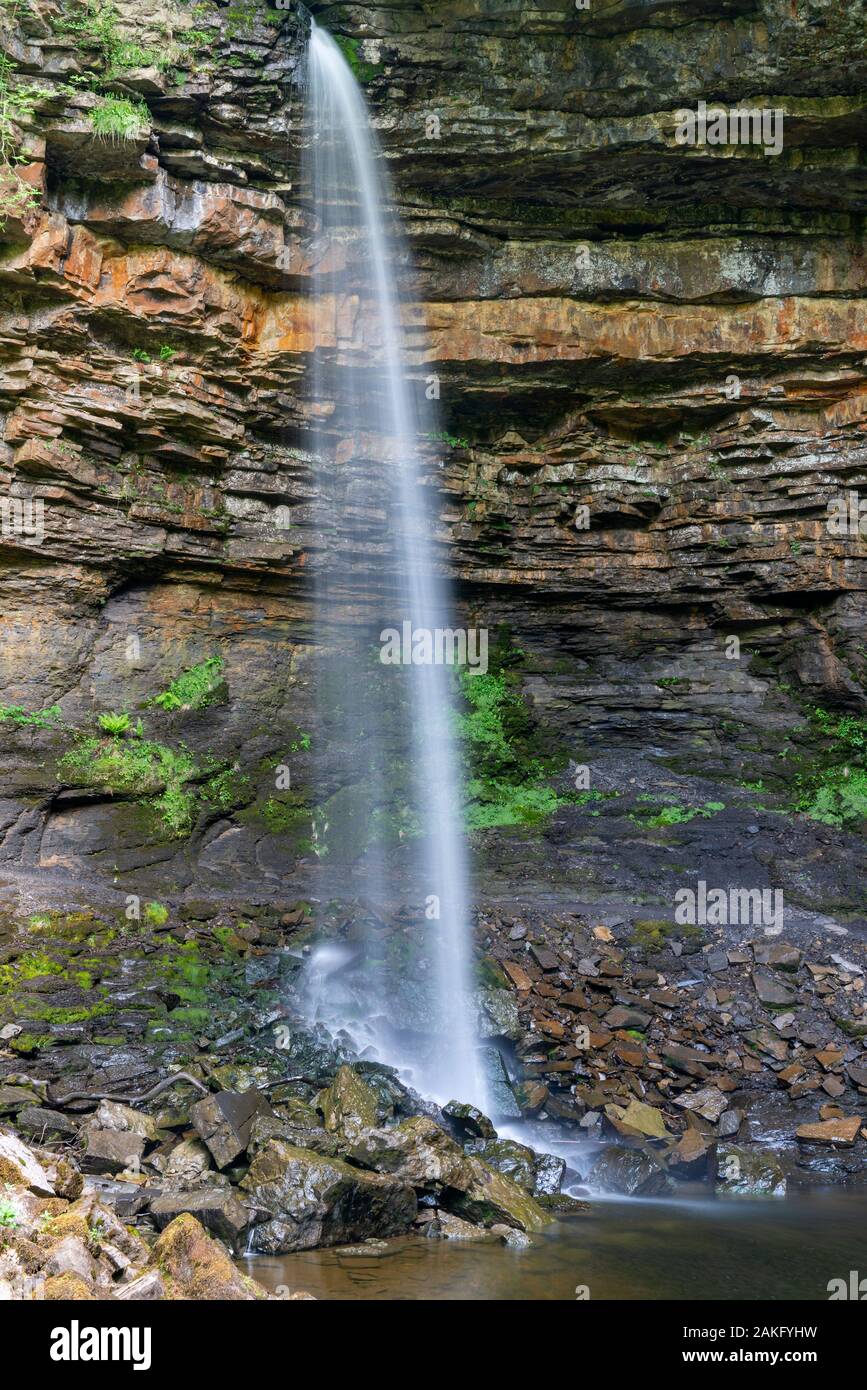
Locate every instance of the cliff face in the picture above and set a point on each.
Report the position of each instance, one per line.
(651, 366)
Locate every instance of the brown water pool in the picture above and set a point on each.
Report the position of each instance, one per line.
(787, 1248)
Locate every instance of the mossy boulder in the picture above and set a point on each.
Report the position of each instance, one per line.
(492, 1199)
(743, 1172)
(417, 1151)
(196, 1268)
(348, 1106)
(538, 1174)
(631, 1172)
(68, 1288)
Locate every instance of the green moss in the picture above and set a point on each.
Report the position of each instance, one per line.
(676, 814)
(48, 1013)
(141, 768)
(280, 816)
(26, 1043)
(653, 932)
(507, 764)
(831, 785)
(489, 974)
(156, 913)
(351, 50)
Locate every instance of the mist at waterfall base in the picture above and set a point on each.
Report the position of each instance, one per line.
(386, 833)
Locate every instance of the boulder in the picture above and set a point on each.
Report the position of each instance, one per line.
(498, 1087)
(549, 1171)
(492, 1199)
(218, 1209)
(20, 1168)
(41, 1124)
(708, 1102)
(469, 1120)
(497, 1013)
(111, 1151)
(450, 1227)
(517, 1161)
(224, 1121)
(644, 1119)
(840, 1133)
(68, 1288)
(539, 1174)
(348, 1106)
(188, 1165)
(691, 1155)
(621, 1016)
(70, 1255)
(278, 1126)
(417, 1151)
(147, 1288)
(630, 1172)
(123, 1119)
(192, 1266)
(772, 991)
(749, 1172)
(308, 1199)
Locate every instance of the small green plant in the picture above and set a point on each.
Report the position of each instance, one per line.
(671, 682)
(167, 353)
(17, 102)
(156, 913)
(8, 1213)
(194, 688)
(831, 786)
(140, 355)
(16, 714)
(114, 723)
(118, 118)
(454, 441)
(507, 782)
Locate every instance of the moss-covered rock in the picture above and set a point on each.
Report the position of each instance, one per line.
(195, 1267)
(348, 1105)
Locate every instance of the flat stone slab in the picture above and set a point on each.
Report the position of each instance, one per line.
(839, 1132)
(111, 1151)
(15, 1157)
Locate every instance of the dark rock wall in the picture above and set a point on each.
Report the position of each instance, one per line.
(673, 338)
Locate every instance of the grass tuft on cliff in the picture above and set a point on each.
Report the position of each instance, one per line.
(118, 118)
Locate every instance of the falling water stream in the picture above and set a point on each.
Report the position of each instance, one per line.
(387, 762)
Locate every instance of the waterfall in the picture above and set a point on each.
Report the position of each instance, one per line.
(387, 763)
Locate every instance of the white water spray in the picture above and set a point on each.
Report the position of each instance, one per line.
(379, 567)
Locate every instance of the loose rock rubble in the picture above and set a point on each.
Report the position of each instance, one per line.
(670, 1039)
